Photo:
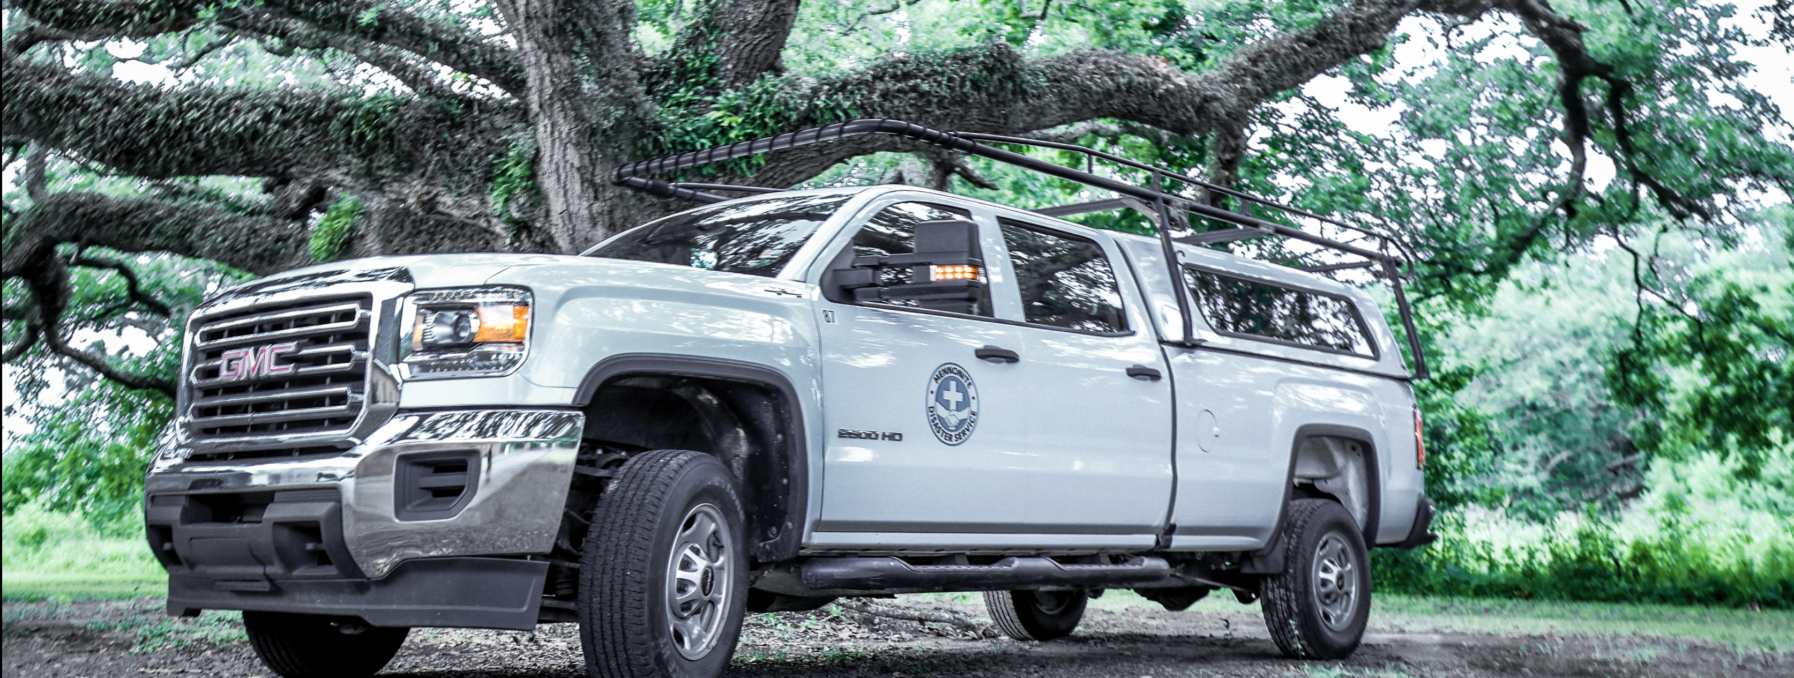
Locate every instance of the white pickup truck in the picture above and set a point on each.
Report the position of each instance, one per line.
(771, 402)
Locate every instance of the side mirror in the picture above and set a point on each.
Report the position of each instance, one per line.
(944, 270)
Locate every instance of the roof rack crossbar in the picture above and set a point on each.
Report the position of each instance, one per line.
(1323, 268)
(1168, 174)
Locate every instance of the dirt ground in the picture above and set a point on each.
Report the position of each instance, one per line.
(132, 638)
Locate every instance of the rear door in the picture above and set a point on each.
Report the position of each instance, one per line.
(1099, 442)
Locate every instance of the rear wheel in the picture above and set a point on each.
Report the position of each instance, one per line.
(312, 646)
(663, 581)
(1036, 615)
(1318, 606)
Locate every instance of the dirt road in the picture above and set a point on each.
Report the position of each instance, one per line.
(131, 639)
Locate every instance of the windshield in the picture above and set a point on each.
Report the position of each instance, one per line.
(756, 237)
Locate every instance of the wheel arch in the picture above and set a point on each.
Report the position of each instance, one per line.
(1270, 558)
(751, 416)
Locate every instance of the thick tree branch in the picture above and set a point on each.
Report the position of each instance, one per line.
(1564, 37)
(381, 23)
(397, 63)
(46, 278)
(1070, 134)
(253, 243)
(37, 162)
(158, 133)
(32, 36)
(1225, 157)
(1014, 94)
(363, 19)
(416, 150)
(745, 38)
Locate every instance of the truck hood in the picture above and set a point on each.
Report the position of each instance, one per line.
(425, 270)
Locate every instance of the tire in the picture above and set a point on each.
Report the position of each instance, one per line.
(663, 581)
(1318, 606)
(1036, 615)
(312, 646)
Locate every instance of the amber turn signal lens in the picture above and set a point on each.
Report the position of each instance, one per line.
(954, 273)
(506, 323)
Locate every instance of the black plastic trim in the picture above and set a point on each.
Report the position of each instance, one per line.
(416, 474)
(1270, 559)
(796, 503)
(1299, 361)
(862, 526)
(490, 593)
(1420, 534)
(872, 574)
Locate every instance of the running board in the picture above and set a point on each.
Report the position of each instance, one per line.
(877, 574)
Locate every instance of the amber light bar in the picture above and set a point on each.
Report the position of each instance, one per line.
(953, 273)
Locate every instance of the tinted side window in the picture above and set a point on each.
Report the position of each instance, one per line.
(1065, 280)
(1312, 319)
(893, 231)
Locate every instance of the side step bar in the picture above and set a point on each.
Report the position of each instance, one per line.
(872, 574)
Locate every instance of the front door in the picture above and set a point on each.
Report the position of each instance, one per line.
(923, 434)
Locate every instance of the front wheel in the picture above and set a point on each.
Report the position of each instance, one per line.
(312, 646)
(663, 582)
(1318, 606)
(1036, 615)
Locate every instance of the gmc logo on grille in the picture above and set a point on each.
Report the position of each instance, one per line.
(248, 363)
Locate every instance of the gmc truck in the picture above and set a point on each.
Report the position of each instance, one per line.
(771, 402)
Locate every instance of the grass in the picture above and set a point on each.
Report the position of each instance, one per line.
(29, 586)
(59, 556)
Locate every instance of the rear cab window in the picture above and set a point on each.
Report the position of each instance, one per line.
(1280, 314)
(1065, 280)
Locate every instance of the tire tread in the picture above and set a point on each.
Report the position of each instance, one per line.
(1281, 594)
(615, 599)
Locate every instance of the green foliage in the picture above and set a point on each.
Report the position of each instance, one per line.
(331, 237)
(1676, 555)
(88, 454)
(1711, 369)
(514, 179)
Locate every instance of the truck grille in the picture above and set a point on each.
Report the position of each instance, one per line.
(291, 369)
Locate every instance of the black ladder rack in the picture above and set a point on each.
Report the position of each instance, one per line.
(1171, 209)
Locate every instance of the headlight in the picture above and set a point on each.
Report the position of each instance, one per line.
(466, 332)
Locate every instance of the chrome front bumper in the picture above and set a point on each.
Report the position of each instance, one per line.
(222, 521)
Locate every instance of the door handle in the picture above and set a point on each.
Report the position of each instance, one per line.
(1144, 372)
(997, 355)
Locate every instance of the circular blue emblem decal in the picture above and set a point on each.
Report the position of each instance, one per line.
(952, 404)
